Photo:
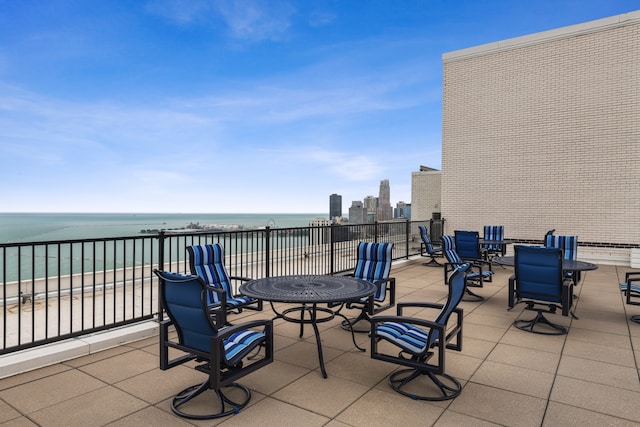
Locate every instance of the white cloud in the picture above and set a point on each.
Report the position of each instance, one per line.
(256, 20)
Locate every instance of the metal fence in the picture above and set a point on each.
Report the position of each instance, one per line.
(61, 289)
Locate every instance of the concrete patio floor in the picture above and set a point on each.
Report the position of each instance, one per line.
(588, 377)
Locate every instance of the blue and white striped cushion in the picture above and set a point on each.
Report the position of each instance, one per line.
(208, 262)
(240, 300)
(634, 288)
(405, 335)
(493, 232)
(449, 250)
(374, 263)
(240, 344)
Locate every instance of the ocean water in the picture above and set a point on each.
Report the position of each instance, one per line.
(38, 227)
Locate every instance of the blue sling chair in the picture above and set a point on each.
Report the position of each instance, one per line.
(422, 343)
(631, 289)
(207, 262)
(494, 232)
(373, 265)
(479, 270)
(569, 246)
(202, 335)
(540, 284)
(428, 247)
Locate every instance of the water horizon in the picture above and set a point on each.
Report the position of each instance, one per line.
(21, 227)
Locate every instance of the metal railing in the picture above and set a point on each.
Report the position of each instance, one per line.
(62, 289)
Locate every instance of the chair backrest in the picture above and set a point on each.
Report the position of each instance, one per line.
(493, 232)
(207, 262)
(568, 244)
(538, 273)
(424, 234)
(449, 250)
(467, 244)
(182, 299)
(373, 264)
(457, 286)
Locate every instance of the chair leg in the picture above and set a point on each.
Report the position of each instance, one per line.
(475, 297)
(432, 262)
(225, 402)
(528, 325)
(448, 385)
(349, 324)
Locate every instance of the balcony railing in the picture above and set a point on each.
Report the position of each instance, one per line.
(62, 289)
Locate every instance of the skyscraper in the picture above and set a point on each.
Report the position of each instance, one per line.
(385, 211)
(357, 213)
(335, 206)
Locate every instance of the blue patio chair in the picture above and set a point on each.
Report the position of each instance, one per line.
(631, 289)
(468, 245)
(569, 246)
(419, 340)
(202, 336)
(479, 271)
(207, 262)
(494, 232)
(428, 247)
(373, 265)
(539, 282)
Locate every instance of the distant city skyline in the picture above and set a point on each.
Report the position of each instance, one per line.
(380, 207)
(222, 106)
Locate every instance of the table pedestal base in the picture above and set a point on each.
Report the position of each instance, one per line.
(313, 320)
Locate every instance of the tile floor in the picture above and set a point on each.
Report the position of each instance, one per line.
(589, 377)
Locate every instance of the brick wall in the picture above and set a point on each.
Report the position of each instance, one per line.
(543, 132)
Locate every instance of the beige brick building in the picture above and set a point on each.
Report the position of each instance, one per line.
(543, 131)
(426, 188)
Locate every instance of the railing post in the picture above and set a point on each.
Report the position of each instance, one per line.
(161, 238)
(331, 248)
(267, 251)
(407, 235)
(375, 231)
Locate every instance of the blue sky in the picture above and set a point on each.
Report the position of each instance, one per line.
(219, 106)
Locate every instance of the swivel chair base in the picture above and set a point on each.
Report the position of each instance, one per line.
(528, 325)
(448, 385)
(227, 406)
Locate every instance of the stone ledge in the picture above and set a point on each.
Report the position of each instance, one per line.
(45, 355)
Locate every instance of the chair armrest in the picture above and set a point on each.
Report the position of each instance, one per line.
(388, 279)
(633, 275)
(512, 289)
(220, 311)
(567, 295)
(401, 305)
(243, 279)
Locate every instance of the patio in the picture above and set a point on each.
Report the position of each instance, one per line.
(588, 377)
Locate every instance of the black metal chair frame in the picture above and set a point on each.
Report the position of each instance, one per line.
(541, 306)
(256, 305)
(418, 365)
(219, 375)
(368, 309)
(476, 281)
(630, 278)
(436, 251)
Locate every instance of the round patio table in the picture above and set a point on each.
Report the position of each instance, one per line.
(567, 264)
(309, 291)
